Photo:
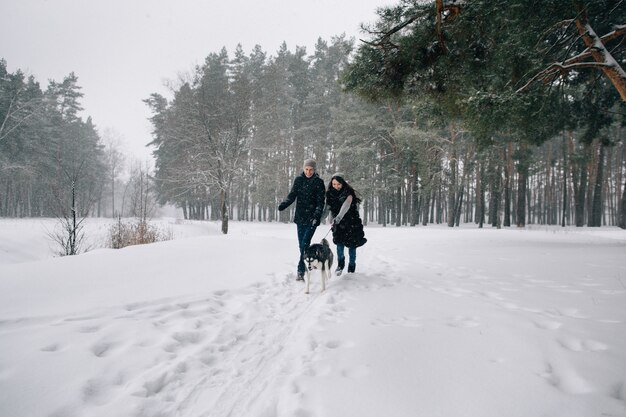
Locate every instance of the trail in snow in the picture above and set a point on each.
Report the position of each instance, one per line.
(256, 351)
(220, 356)
(428, 326)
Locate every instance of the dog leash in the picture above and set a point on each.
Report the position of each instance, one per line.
(331, 228)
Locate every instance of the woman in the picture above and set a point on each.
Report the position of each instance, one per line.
(344, 216)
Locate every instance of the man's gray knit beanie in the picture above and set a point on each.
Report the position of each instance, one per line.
(310, 163)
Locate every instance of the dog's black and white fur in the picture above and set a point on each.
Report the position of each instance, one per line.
(318, 256)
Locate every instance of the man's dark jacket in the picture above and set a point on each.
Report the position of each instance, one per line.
(309, 195)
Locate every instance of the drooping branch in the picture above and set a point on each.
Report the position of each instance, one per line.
(559, 69)
(444, 11)
(596, 50)
(618, 31)
(384, 40)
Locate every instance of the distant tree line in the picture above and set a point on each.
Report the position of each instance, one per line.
(450, 112)
(51, 161)
(424, 120)
(55, 164)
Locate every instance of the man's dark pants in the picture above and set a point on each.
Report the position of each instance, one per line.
(305, 234)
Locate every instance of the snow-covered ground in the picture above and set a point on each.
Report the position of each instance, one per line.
(436, 322)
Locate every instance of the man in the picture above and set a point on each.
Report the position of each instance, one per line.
(309, 194)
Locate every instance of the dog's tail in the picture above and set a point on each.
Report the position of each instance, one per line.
(325, 242)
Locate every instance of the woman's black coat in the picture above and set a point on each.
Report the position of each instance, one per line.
(309, 196)
(349, 231)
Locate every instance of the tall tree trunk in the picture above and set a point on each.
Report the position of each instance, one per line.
(73, 249)
(579, 182)
(438, 210)
(366, 205)
(622, 211)
(112, 194)
(459, 205)
(522, 179)
(591, 167)
(224, 210)
(463, 185)
(398, 206)
(565, 200)
(495, 184)
(596, 207)
(508, 172)
(414, 196)
(480, 196)
(609, 203)
(427, 198)
(452, 186)
(382, 209)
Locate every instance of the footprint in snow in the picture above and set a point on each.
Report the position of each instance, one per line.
(590, 284)
(492, 295)
(102, 349)
(155, 386)
(509, 305)
(453, 292)
(63, 412)
(187, 338)
(464, 321)
(566, 312)
(80, 318)
(333, 344)
(208, 359)
(404, 321)
(619, 391)
(133, 306)
(89, 329)
(548, 325)
(54, 347)
(94, 391)
(221, 293)
(609, 321)
(576, 345)
(566, 380)
(612, 292)
(354, 373)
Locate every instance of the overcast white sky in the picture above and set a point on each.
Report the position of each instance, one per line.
(124, 50)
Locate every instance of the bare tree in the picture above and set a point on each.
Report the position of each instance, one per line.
(142, 198)
(115, 161)
(70, 234)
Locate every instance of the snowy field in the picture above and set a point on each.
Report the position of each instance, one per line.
(436, 322)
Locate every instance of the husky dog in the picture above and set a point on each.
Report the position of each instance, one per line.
(318, 256)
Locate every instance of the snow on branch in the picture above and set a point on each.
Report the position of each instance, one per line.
(596, 50)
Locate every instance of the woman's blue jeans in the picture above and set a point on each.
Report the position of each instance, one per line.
(305, 234)
(351, 253)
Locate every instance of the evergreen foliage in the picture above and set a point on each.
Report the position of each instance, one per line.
(51, 161)
(480, 63)
(451, 112)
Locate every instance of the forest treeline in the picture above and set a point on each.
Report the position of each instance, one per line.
(48, 154)
(437, 117)
(55, 164)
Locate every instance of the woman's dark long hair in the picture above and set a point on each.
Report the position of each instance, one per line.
(344, 186)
